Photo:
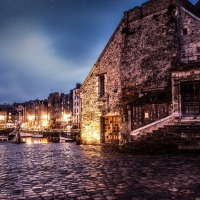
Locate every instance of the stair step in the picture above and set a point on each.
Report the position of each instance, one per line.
(169, 138)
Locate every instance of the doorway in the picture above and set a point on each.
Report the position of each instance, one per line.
(190, 98)
(111, 129)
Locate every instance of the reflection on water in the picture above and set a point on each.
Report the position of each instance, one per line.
(30, 140)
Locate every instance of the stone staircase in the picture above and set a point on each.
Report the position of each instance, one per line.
(169, 138)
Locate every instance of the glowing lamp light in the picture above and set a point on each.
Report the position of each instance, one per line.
(91, 135)
(44, 123)
(2, 117)
(31, 117)
(66, 117)
(45, 116)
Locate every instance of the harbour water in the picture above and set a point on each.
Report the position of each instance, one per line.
(31, 140)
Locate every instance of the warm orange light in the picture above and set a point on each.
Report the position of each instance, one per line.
(45, 116)
(66, 117)
(2, 117)
(44, 123)
(90, 135)
(31, 117)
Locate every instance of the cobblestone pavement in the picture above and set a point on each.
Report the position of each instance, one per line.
(69, 171)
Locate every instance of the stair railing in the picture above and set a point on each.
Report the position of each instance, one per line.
(135, 134)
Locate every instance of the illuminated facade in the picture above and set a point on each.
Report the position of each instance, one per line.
(59, 108)
(3, 117)
(58, 111)
(36, 114)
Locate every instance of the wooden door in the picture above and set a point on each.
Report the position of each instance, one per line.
(111, 129)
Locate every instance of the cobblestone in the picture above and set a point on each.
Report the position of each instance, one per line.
(69, 171)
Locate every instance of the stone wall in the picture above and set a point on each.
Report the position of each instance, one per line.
(190, 42)
(150, 45)
(190, 54)
(136, 59)
(177, 78)
(93, 106)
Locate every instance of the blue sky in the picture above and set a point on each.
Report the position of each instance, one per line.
(50, 45)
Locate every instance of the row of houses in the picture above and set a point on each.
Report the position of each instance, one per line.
(59, 110)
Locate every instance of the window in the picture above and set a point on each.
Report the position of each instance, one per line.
(183, 54)
(185, 31)
(101, 85)
(146, 115)
(198, 50)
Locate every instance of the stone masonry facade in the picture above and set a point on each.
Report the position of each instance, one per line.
(137, 59)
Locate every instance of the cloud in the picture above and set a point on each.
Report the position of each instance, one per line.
(31, 60)
(52, 44)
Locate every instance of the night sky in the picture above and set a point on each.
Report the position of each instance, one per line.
(50, 45)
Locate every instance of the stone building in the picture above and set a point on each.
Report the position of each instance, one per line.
(147, 72)
(35, 114)
(3, 116)
(59, 105)
(76, 105)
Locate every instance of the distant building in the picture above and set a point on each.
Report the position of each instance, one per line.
(58, 111)
(76, 107)
(3, 116)
(59, 106)
(36, 114)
